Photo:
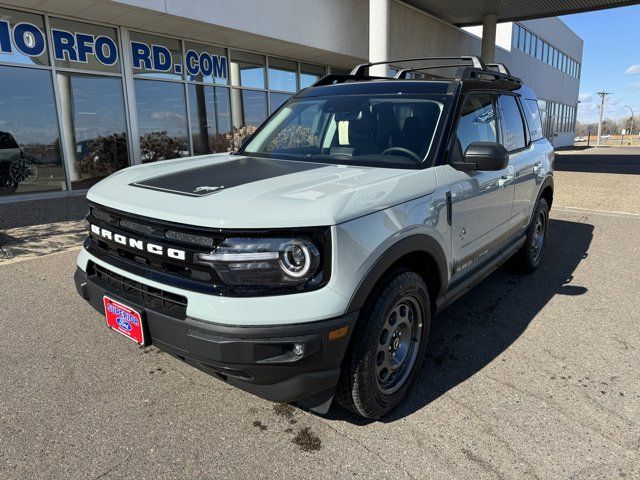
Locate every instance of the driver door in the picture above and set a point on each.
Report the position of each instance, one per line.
(481, 201)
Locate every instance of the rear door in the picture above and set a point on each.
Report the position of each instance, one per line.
(522, 158)
(481, 201)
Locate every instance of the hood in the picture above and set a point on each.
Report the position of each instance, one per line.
(231, 191)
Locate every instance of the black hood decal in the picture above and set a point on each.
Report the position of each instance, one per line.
(209, 179)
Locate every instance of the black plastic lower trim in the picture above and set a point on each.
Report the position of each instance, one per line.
(283, 363)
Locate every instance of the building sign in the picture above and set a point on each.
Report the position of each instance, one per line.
(78, 47)
(26, 38)
(158, 58)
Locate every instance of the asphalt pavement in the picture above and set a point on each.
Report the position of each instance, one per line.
(527, 377)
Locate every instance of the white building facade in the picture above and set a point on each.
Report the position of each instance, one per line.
(90, 87)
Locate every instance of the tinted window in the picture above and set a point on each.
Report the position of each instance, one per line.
(277, 99)
(162, 120)
(247, 69)
(252, 107)
(477, 122)
(29, 143)
(309, 74)
(533, 119)
(513, 127)
(282, 75)
(210, 118)
(94, 120)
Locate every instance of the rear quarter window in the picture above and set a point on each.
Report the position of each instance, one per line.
(532, 114)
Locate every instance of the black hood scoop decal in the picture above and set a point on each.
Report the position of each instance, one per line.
(209, 179)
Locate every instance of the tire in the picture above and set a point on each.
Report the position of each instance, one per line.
(7, 186)
(528, 258)
(391, 334)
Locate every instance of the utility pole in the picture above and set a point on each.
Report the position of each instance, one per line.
(603, 95)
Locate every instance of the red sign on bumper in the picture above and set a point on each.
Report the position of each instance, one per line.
(124, 320)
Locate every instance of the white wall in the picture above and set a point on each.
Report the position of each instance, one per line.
(339, 26)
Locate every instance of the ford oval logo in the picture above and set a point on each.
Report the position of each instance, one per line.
(123, 324)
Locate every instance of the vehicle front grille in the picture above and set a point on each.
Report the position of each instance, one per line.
(189, 240)
(138, 293)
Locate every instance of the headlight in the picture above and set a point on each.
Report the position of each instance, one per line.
(273, 262)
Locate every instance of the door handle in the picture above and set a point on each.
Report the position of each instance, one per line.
(505, 179)
(537, 167)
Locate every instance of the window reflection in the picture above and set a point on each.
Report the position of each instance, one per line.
(309, 74)
(94, 125)
(276, 100)
(210, 119)
(282, 75)
(30, 159)
(249, 107)
(247, 69)
(162, 120)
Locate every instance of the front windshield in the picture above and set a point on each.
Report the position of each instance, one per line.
(395, 130)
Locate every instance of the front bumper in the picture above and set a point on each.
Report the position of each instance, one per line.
(288, 363)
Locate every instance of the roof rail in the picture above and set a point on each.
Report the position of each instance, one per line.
(473, 73)
(359, 70)
(466, 71)
(402, 74)
(500, 67)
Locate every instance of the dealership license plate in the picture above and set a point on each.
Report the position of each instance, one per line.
(124, 320)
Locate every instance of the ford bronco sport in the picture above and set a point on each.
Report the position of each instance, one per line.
(309, 264)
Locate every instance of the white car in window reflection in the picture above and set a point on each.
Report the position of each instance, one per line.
(15, 166)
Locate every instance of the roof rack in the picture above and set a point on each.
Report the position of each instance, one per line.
(472, 69)
(500, 67)
(359, 70)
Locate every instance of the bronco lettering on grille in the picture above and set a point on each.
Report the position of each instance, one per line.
(137, 244)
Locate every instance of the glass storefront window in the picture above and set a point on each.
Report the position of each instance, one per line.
(277, 99)
(249, 107)
(310, 74)
(156, 57)
(210, 118)
(26, 45)
(162, 120)
(206, 64)
(30, 159)
(94, 125)
(340, 71)
(247, 69)
(85, 46)
(282, 75)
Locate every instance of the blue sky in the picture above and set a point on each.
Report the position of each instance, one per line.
(610, 62)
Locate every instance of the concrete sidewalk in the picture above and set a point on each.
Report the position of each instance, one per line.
(33, 229)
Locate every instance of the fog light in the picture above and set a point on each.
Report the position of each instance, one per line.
(298, 350)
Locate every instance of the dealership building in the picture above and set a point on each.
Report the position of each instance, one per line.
(88, 87)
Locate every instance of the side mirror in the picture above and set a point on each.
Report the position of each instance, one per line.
(483, 156)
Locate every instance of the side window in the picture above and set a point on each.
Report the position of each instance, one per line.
(477, 122)
(513, 128)
(532, 113)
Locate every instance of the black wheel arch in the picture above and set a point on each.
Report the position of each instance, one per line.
(418, 252)
(546, 191)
